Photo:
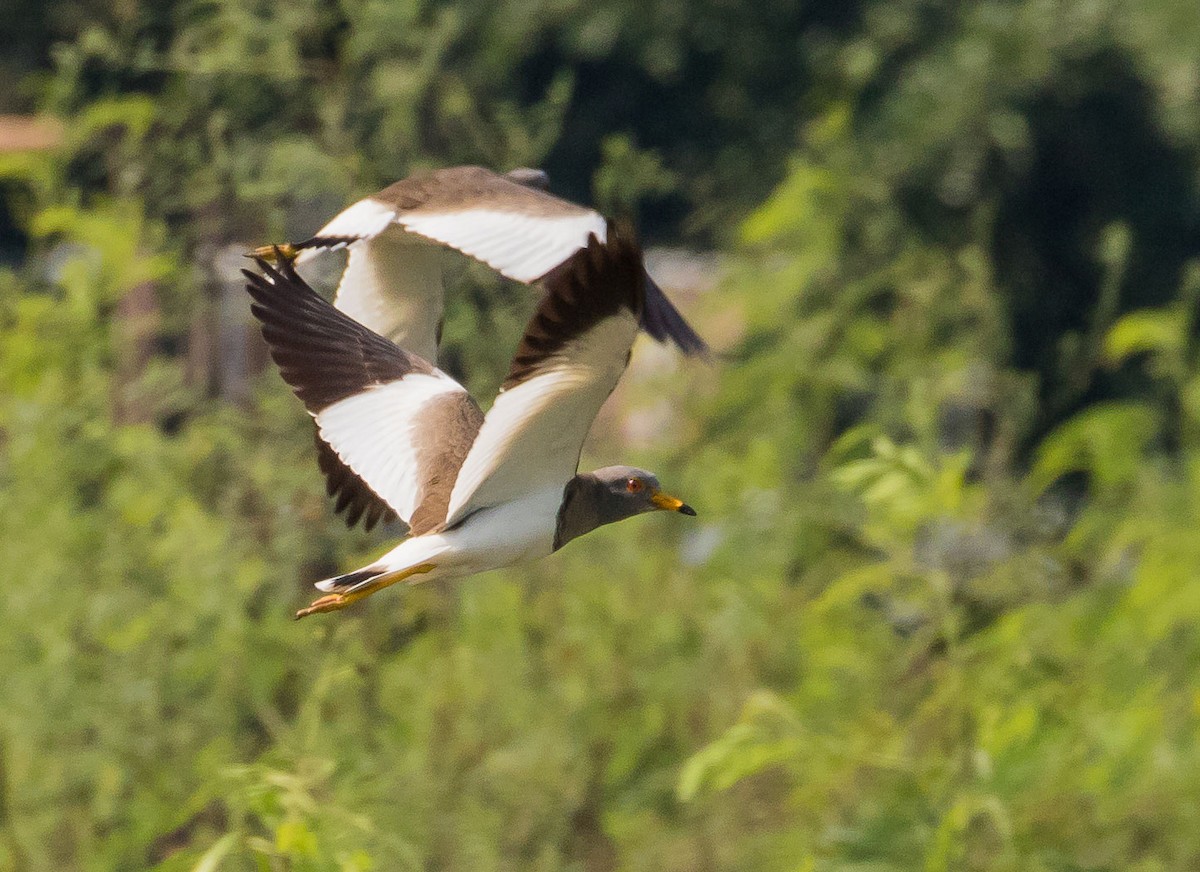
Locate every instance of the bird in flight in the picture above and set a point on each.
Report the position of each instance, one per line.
(393, 281)
(477, 491)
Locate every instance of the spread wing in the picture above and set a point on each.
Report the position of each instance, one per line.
(392, 284)
(573, 352)
(398, 424)
(506, 221)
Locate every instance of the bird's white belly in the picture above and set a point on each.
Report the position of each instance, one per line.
(503, 535)
(500, 536)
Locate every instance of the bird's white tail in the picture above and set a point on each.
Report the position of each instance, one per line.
(350, 581)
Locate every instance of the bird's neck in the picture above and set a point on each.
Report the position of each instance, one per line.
(584, 508)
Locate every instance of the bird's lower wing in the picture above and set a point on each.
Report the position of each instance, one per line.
(399, 424)
(350, 493)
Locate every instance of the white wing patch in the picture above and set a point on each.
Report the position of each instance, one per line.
(365, 219)
(519, 245)
(393, 285)
(532, 436)
(375, 434)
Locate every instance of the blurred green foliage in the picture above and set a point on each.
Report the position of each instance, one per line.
(940, 609)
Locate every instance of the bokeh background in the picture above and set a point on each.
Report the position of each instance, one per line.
(941, 607)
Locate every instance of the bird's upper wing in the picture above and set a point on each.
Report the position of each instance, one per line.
(519, 230)
(513, 226)
(572, 354)
(399, 424)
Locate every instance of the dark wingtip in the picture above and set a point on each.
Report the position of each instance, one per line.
(664, 322)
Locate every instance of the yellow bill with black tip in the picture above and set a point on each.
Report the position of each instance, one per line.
(672, 504)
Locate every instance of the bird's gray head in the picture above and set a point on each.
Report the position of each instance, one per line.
(633, 491)
(613, 493)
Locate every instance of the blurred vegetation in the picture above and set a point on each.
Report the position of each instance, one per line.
(941, 607)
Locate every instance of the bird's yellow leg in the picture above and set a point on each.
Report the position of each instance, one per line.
(331, 602)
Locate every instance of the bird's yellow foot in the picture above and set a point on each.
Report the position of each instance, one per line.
(269, 253)
(331, 602)
(328, 603)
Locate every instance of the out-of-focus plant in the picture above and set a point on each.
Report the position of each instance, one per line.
(938, 609)
(1022, 607)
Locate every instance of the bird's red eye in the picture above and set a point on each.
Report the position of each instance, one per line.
(634, 485)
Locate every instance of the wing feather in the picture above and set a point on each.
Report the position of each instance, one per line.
(400, 425)
(572, 355)
(393, 285)
(350, 493)
(518, 245)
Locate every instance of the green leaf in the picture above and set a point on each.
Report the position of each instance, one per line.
(1106, 441)
(767, 735)
(1157, 331)
(211, 860)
